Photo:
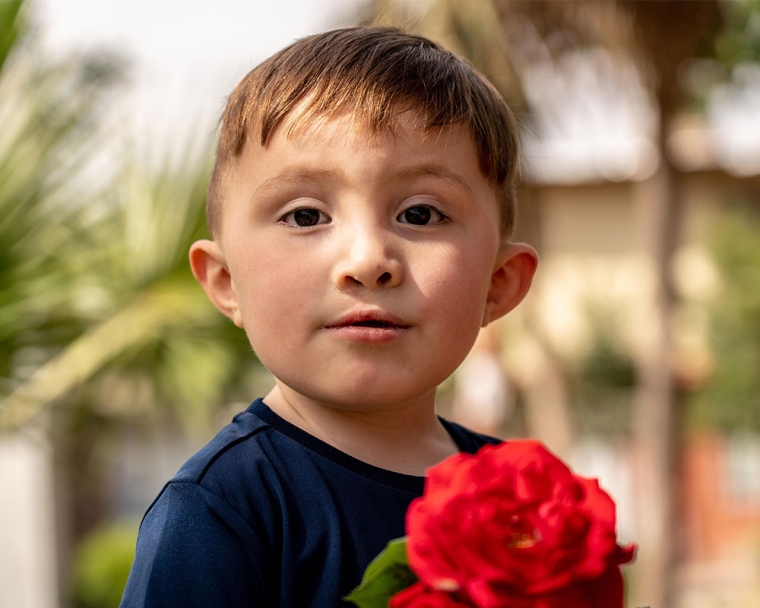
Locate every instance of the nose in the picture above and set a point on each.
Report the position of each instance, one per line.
(368, 258)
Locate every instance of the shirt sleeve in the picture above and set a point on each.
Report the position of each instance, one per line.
(194, 550)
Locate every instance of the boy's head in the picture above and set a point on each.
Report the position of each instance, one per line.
(375, 74)
(360, 206)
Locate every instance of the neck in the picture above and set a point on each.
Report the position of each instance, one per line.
(405, 438)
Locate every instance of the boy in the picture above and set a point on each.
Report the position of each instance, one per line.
(360, 208)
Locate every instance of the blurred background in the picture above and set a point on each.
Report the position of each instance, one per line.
(636, 356)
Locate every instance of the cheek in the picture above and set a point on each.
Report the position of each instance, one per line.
(457, 285)
(455, 301)
(271, 290)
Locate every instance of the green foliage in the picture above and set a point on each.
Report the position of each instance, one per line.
(143, 330)
(101, 566)
(386, 575)
(732, 400)
(95, 290)
(49, 110)
(10, 26)
(601, 383)
(740, 41)
(608, 365)
(99, 312)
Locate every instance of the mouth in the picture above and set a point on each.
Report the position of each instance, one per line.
(371, 326)
(369, 320)
(371, 323)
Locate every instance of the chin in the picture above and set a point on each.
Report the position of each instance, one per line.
(364, 385)
(364, 398)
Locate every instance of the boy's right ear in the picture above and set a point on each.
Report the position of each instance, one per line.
(209, 267)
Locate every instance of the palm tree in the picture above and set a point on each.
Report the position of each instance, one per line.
(49, 113)
(150, 324)
(102, 325)
(93, 275)
(155, 358)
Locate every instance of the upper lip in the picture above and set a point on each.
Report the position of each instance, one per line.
(368, 317)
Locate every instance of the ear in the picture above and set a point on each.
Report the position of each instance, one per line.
(511, 279)
(209, 267)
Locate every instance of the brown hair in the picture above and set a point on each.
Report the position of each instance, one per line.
(376, 73)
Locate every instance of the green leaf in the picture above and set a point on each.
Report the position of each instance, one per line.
(11, 26)
(386, 575)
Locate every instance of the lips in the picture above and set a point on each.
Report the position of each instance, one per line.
(370, 319)
(368, 326)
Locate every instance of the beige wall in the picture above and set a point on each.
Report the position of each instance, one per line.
(28, 576)
(592, 241)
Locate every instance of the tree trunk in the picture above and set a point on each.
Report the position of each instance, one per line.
(547, 408)
(655, 424)
(547, 413)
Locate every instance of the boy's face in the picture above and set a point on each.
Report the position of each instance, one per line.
(361, 267)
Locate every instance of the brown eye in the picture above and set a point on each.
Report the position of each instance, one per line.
(421, 215)
(305, 218)
(417, 215)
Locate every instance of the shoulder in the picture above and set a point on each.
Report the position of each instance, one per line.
(241, 468)
(226, 495)
(468, 440)
(242, 435)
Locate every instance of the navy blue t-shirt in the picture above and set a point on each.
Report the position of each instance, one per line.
(267, 515)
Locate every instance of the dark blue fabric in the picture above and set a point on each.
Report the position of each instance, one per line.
(268, 515)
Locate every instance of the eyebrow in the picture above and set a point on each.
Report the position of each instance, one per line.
(294, 177)
(435, 170)
(298, 176)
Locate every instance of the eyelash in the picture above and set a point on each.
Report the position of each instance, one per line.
(291, 214)
(443, 217)
(321, 215)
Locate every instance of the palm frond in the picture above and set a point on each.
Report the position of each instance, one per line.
(148, 317)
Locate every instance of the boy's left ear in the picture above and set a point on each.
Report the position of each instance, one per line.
(510, 280)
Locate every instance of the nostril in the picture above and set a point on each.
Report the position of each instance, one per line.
(384, 278)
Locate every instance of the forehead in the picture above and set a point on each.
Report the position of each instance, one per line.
(346, 146)
(310, 118)
(353, 131)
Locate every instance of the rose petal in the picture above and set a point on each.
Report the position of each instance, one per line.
(606, 591)
(421, 596)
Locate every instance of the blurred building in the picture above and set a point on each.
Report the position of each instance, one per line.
(589, 226)
(28, 523)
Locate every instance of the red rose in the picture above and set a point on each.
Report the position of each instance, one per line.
(513, 524)
(603, 592)
(422, 596)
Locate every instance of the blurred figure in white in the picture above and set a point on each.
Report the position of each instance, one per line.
(482, 395)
